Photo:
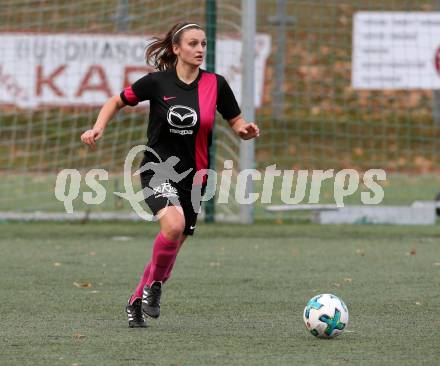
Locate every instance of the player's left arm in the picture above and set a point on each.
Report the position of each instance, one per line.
(245, 130)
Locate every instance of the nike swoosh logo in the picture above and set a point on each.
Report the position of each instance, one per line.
(192, 227)
(168, 98)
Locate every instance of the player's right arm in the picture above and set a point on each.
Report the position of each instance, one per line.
(107, 112)
(142, 89)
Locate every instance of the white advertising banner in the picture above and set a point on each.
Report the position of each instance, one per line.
(38, 70)
(396, 50)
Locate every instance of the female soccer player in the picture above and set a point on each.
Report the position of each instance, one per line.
(183, 100)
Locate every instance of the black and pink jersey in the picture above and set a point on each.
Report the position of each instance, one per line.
(182, 116)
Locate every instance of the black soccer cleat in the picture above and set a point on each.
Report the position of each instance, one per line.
(135, 316)
(151, 299)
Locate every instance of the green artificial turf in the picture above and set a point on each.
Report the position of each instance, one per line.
(236, 296)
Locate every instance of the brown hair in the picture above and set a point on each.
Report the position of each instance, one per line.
(160, 51)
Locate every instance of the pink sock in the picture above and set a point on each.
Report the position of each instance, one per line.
(170, 267)
(164, 253)
(171, 260)
(141, 284)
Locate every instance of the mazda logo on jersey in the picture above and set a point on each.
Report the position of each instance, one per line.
(181, 116)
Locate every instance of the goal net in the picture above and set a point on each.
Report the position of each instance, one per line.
(60, 60)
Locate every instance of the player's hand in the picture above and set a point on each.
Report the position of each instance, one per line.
(248, 131)
(91, 136)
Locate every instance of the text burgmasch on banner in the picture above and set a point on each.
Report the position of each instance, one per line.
(63, 69)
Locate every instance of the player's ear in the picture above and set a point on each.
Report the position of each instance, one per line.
(176, 49)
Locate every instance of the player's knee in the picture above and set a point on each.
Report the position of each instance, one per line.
(174, 230)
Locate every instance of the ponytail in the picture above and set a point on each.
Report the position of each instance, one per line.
(160, 53)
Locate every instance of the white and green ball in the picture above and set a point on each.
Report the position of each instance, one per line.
(326, 316)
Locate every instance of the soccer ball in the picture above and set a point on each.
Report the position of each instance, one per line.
(326, 316)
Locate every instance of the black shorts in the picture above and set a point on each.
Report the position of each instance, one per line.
(166, 193)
